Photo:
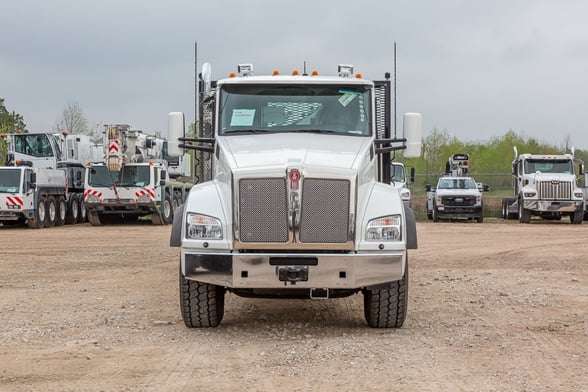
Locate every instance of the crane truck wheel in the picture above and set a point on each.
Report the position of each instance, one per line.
(94, 218)
(51, 208)
(168, 210)
(386, 308)
(61, 211)
(73, 209)
(83, 214)
(202, 304)
(39, 215)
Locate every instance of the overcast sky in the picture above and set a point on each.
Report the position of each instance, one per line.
(474, 68)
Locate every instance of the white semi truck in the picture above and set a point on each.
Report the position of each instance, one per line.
(132, 180)
(43, 181)
(299, 202)
(545, 186)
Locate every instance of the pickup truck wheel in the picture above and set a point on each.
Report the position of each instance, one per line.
(435, 214)
(387, 308)
(524, 214)
(39, 215)
(202, 304)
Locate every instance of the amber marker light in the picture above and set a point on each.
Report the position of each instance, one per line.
(358, 76)
(232, 75)
(276, 72)
(314, 73)
(295, 73)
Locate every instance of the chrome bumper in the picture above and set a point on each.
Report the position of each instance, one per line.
(553, 206)
(260, 271)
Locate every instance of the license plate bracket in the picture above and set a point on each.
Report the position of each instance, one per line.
(293, 273)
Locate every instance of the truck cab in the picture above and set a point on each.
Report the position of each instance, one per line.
(299, 202)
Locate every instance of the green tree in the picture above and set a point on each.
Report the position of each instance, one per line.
(10, 122)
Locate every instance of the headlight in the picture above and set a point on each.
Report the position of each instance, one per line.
(579, 194)
(386, 228)
(530, 194)
(90, 198)
(144, 198)
(201, 227)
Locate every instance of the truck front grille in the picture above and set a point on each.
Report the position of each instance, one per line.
(263, 211)
(554, 190)
(325, 211)
(264, 215)
(458, 200)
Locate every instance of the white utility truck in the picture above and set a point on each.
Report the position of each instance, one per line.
(299, 202)
(456, 195)
(43, 181)
(132, 180)
(545, 186)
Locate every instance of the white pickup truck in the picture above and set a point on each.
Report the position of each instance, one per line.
(455, 197)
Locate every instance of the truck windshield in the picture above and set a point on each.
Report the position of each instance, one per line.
(456, 183)
(134, 176)
(35, 145)
(397, 173)
(549, 166)
(333, 109)
(9, 180)
(100, 176)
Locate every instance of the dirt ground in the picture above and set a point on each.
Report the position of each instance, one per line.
(492, 307)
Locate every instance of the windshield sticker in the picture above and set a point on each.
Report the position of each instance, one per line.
(242, 117)
(347, 97)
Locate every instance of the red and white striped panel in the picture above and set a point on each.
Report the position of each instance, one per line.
(149, 191)
(114, 148)
(92, 192)
(14, 201)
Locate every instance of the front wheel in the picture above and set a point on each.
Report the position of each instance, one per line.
(202, 304)
(386, 308)
(524, 214)
(577, 217)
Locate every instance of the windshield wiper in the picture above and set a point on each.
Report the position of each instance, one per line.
(246, 132)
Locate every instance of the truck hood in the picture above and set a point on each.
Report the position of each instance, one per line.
(304, 148)
(552, 177)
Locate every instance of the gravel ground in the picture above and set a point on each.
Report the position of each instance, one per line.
(495, 306)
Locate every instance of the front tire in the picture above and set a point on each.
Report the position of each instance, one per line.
(386, 308)
(524, 214)
(202, 304)
(577, 217)
(39, 215)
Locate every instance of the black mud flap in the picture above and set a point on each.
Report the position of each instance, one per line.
(176, 231)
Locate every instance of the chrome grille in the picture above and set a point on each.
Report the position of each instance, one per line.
(554, 190)
(263, 212)
(458, 200)
(325, 211)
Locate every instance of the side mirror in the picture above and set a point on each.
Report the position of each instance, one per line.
(413, 130)
(514, 169)
(175, 130)
(33, 182)
(582, 169)
(162, 178)
(412, 172)
(486, 187)
(78, 175)
(428, 187)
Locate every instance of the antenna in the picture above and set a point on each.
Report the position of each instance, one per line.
(196, 108)
(304, 70)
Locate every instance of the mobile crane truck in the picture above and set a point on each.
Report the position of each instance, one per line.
(299, 202)
(43, 181)
(132, 180)
(544, 185)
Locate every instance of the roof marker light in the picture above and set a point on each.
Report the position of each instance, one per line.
(314, 73)
(358, 76)
(276, 72)
(295, 73)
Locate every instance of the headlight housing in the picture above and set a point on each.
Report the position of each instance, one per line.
(91, 198)
(144, 198)
(405, 194)
(203, 227)
(385, 228)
